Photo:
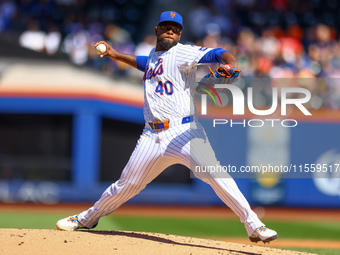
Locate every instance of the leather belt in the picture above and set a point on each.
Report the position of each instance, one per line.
(164, 125)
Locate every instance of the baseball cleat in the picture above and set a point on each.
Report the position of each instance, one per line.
(70, 223)
(263, 234)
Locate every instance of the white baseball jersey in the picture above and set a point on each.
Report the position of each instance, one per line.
(168, 81)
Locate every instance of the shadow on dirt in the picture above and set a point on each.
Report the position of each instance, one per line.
(161, 240)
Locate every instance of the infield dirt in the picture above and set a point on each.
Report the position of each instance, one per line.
(48, 241)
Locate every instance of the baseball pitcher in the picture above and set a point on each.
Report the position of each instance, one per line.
(171, 134)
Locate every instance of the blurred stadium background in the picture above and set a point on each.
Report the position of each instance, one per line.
(70, 120)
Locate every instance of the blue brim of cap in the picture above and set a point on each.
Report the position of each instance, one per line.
(171, 21)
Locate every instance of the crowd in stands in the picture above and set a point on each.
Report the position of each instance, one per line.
(296, 43)
(284, 39)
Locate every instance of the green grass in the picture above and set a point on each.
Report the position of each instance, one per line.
(186, 227)
(40, 221)
(177, 226)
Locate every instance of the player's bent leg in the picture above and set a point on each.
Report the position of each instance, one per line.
(143, 166)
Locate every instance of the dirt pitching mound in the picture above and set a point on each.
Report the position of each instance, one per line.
(48, 241)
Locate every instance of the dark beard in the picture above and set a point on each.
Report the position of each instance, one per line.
(166, 45)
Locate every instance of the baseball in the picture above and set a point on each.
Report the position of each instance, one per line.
(101, 48)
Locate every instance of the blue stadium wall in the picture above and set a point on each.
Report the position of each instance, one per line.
(309, 142)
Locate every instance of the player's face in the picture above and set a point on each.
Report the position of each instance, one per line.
(168, 34)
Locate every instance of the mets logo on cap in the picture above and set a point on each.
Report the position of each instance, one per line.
(171, 16)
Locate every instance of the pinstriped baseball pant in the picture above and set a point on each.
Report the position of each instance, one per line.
(185, 144)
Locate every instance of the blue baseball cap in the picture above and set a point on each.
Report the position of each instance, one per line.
(171, 16)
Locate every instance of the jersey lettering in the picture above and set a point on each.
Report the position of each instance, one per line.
(158, 70)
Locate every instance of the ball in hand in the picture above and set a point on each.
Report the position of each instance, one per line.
(101, 49)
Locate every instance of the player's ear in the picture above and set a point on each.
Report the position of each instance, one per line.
(156, 29)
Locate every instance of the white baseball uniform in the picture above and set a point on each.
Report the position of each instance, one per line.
(168, 82)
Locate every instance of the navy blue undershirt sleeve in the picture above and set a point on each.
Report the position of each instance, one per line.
(213, 56)
(141, 62)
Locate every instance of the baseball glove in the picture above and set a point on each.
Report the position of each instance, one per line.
(225, 74)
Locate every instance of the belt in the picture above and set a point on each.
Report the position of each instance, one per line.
(164, 125)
